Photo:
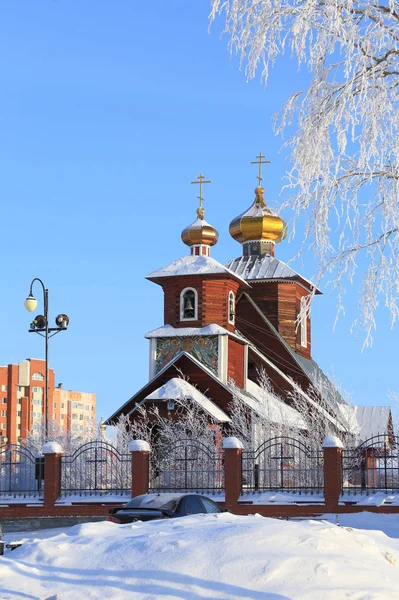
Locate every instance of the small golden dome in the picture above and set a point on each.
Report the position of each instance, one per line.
(200, 232)
(258, 223)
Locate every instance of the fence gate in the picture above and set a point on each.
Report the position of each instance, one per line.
(96, 469)
(283, 464)
(21, 473)
(372, 466)
(187, 465)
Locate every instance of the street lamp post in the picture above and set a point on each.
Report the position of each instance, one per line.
(40, 326)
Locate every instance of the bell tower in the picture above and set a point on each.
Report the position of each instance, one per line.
(279, 293)
(200, 305)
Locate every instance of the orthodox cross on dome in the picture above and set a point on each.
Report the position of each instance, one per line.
(260, 162)
(201, 180)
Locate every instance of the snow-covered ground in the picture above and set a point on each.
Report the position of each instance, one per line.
(209, 556)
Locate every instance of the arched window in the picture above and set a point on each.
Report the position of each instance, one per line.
(304, 321)
(38, 376)
(189, 305)
(232, 308)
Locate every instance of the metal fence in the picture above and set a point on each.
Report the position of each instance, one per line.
(96, 469)
(21, 473)
(283, 464)
(187, 465)
(372, 466)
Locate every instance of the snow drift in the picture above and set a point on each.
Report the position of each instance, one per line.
(205, 556)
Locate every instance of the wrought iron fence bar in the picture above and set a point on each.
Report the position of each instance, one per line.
(18, 473)
(96, 469)
(283, 464)
(371, 467)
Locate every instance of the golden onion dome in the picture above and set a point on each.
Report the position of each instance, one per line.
(200, 232)
(258, 223)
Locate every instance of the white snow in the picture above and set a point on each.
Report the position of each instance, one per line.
(139, 446)
(332, 441)
(52, 448)
(281, 498)
(232, 442)
(198, 224)
(367, 421)
(194, 265)
(267, 405)
(209, 557)
(170, 331)
(180, 389)
(371, 499)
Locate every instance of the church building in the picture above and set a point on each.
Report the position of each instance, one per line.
(224, 324)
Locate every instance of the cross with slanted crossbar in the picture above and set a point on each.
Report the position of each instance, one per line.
(260, 162)
(201, 181)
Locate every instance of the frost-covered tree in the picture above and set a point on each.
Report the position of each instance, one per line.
(344, 150)
(320, 411)
(263, 418)
(69, 441)
(333, 416)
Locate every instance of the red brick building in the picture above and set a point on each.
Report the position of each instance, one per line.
(22, 402)
(225, 323)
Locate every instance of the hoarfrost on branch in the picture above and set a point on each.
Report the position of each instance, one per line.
(344, 149)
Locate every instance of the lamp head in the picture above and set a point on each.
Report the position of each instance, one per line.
(30, 303)
(39, 322)
(62, 321)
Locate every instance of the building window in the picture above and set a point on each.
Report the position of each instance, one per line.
(38, 376)
(4, 401)
(3, 388)
(54, 417)
(62, 405)
(55, 404)
(232, 308)
(189, 305)
(81, 417)
(3, 413)
(87, 407)
(37, 390)
(19, 413)
(304, 321)
(74, 416)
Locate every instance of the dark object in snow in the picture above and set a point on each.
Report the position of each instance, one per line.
(13, 545)
(162, 506)
(1, 548)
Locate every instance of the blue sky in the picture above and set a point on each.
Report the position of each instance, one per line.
(108, 111)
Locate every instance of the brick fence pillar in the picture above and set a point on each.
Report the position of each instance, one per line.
(232, 470)
(140, 467)
(332, 448)
(52, 472)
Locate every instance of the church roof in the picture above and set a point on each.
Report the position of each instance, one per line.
(367, 421)
(194, 265)
(266, 405)
(318, 378)
(309, 367)
(180, 389)
(264, 268)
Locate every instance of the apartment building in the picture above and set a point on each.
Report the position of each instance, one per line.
(22, 402)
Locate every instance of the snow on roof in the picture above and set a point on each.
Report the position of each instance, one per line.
(367, 421)
(194, 265)
(319, 378)
(180, 389)
(170, 331)
(267, 405)
(263, 267)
